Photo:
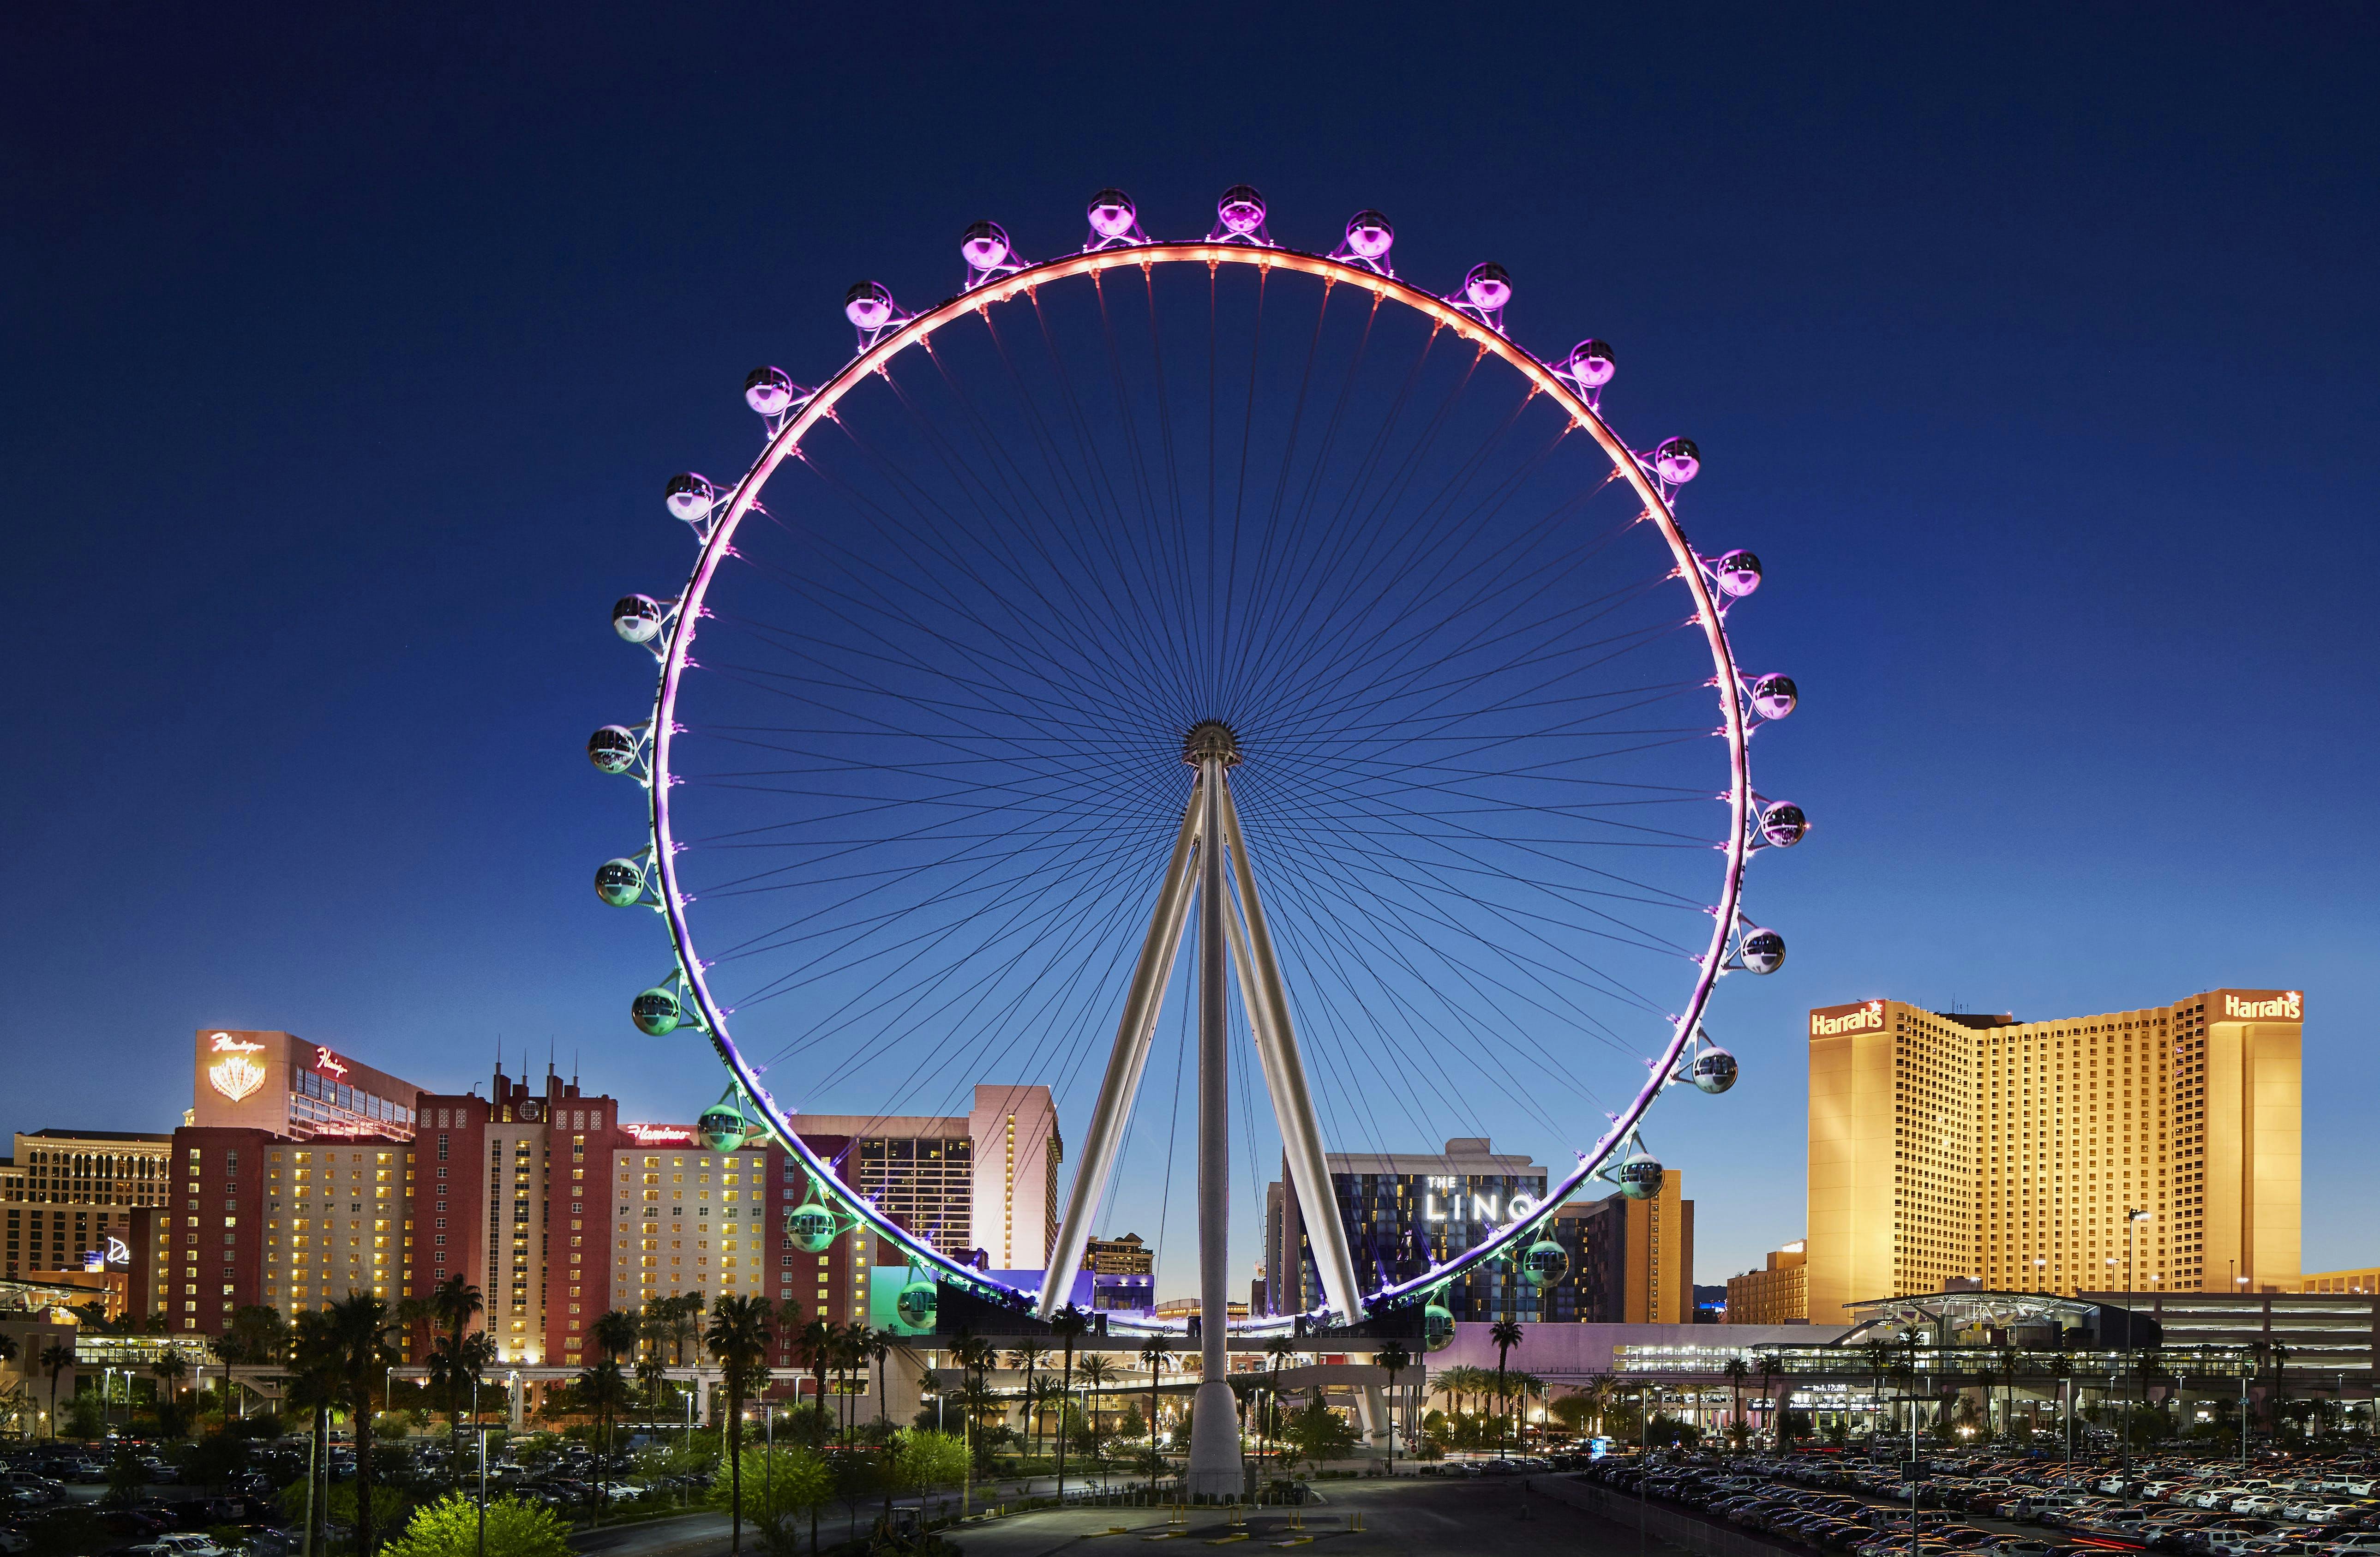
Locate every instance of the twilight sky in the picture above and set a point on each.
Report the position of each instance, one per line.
(343, 356)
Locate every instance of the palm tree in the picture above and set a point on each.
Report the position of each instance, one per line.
(1392, 1360)
(1096, 1374)
(1067, 1324)
(2010, 1360)
(1154, 1356)
(1506, 1333)
(603, 1388)
(57, 1356)
(613, 1332)
(168, 1370)
(814, 1346)
(362, 1339)
(1769, 1369)
(738, 1339)
(455, 1302)
(1737, 1371)
(314, 1385)
(1031, 1359)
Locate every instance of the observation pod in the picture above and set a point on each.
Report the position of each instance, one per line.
(1764, 950)
(983, 246)
(769, 390)
(1240, 211)
(811, 1227)
(637, 618)
(619, 881)
(1783, 824)
(1545, 1263)
(917, 1303)
(1591, 363)
(869, 305)
(689, 496)
(1369, 234)
(1713, 1071)
(1111, 213)
(655, 1012)
(1677, 461)
(723, 1126)
(613, 748)
(1774, 696)
(1487, 287)
(1738, 573)
(1639, 1177)
(1436, 1328)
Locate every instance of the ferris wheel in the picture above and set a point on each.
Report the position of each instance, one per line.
(1218, 639)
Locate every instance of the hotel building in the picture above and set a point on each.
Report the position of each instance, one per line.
(1404, 1212)
(306, 1176)
(2155, 1149)
(1778, 1295)
(66, 1199)
(1631, 1261)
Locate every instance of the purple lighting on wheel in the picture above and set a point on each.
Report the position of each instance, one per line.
(1487, 287)
(1240, 211)
(1591, 364)
(1111, 213)
(1369, 234)
(984, 246)
(1677, 461)
(867, 305)
(1738, 573)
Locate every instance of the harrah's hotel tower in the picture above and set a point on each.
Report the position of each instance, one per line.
(2021, 1154)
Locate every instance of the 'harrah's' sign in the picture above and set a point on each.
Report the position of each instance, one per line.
(1859, 1018)
(2288, 1005)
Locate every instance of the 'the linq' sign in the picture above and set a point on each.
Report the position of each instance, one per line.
(1490, 1208)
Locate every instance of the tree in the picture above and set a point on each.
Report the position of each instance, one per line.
(1032, 1359)
(1392, 1360)
(613, 1331)
(1096, 1373)
(313, 1386)
(1154, 1356)
(1068, 1325)
(1574, 1411)
(791, 1478)
(56, 1357)
(363, 1338)
(1320, 1433)
(814, 1349)
(1506, 1333)
(1738, 1370)
(1769, 1369)
(450, 1527)
(739, 1339)
(452, 1303)
(1278, 1350)
(603, 1389)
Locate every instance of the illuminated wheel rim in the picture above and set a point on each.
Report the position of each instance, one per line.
(1706, 582)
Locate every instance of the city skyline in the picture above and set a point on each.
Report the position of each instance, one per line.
(2060, 487)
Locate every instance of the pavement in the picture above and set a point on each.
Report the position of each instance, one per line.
(1408, 1518)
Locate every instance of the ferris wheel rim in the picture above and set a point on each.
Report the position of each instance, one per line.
(888, 342)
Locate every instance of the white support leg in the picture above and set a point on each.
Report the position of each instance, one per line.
(1215, 1469)
(1143, 1000)
(1293, 1103)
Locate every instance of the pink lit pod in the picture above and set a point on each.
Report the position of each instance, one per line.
(1678, 461)
(867, 305)
(1763, 950)
(1240, 211)
(1775, 696)
(768, 390)
(1591, 363)
(1784, 825)
(1111, 213)
(1369, 234)
(1738, 573)
(1487, 287)
(984, 246)
(689, 496)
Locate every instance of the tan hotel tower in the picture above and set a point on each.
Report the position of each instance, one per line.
(2013, 1152)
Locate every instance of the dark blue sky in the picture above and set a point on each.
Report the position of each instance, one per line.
(345, 353)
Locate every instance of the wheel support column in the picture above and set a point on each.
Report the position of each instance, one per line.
(1215, 1469)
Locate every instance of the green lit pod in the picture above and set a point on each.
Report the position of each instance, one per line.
(917, 1303)
(811, 1227)
(1545, 1263)
(656, 1012)
(1436, 1328)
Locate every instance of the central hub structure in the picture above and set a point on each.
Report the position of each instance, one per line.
(1210, 740)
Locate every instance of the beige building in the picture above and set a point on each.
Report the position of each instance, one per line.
(68, 1195)
(1778, 1295)
(1631, 1261)
(2366, 1280)
(2149, 1149)
(286, 1086)
(985, 1181)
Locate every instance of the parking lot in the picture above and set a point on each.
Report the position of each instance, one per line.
(2299, 1506)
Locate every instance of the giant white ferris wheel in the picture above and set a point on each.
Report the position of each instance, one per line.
(1218, 628)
